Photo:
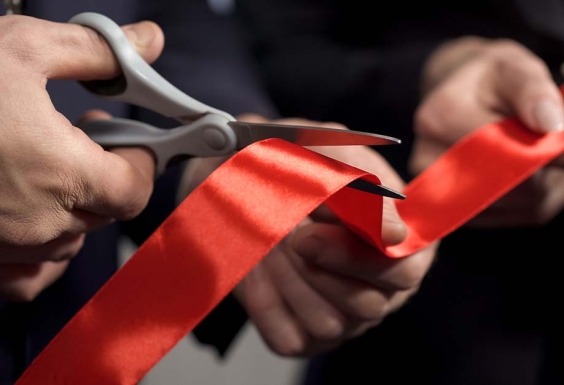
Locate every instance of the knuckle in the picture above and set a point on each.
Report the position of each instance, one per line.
(258, 301)
(22, 290)
(513, 58)
(420, 158)
(288, 347)
(415, 165)
(23, 38)
(298, 121)
(409, 274)
(30, 233)
(256, 306)
(328, 328)
(427, 122)
(68, 190)
(35, 235)
(67, 250)
(21, 294)
(410, 278)
(335, 125)
(28, 283)
(95, 44)
(93, 40)
(368, 306)
(252, 117)
(438, 116)
(507, 52)
(507, 46)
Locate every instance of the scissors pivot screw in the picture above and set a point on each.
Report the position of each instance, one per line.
(214, 138)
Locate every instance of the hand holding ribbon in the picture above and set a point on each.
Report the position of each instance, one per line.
(323, 285)
(495, 79)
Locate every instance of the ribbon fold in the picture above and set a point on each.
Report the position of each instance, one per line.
(239, 213)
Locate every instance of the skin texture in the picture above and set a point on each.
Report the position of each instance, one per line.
(56, 184)
(323, 285)
(470, 82)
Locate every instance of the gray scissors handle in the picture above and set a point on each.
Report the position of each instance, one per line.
(202, 138)
(140, 85)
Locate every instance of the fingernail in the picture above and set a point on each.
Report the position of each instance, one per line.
(309, 247)
(549, 116)
(140, 34)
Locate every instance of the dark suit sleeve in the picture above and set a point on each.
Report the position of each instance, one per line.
(206, 55)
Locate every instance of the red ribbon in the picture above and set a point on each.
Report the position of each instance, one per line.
(238, 214)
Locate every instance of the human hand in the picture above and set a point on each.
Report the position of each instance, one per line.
(56, 184)
(470, 82)
(323, 285)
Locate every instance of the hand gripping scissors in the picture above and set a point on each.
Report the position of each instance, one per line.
(205, 131)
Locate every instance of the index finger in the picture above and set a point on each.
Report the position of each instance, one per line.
(70, 51)
(336, 249)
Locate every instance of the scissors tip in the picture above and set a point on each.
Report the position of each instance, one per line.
(373, 188)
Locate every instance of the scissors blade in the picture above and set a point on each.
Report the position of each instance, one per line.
(248, 133)
(377, 189)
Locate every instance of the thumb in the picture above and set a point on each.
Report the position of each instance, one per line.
(140, 158)
(121, 179)
(70, 51)
(394, 229)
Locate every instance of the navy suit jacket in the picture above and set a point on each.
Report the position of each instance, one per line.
(206, 57)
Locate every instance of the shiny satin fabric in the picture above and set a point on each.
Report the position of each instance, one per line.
(239, 213)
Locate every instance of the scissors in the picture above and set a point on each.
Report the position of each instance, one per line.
(204, 131)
